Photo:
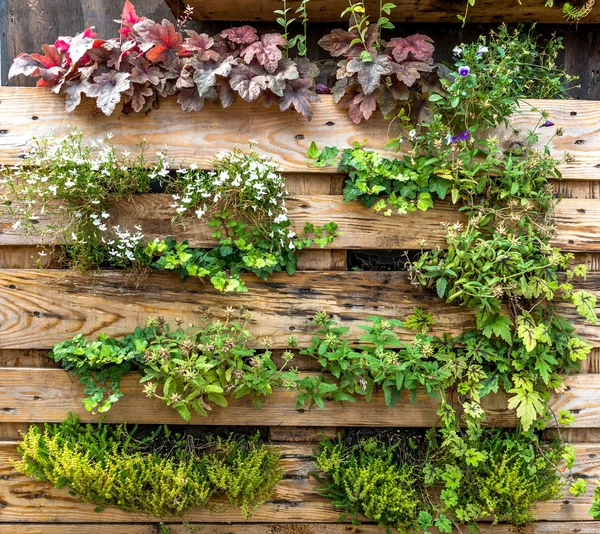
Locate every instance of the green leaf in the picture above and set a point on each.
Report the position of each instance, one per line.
(441, 286)
(313, 151)
(585, 303)
(500, 326)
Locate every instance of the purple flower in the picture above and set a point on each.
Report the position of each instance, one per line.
(464, 71)
(322, 89)
(464, 135)
(547, 124)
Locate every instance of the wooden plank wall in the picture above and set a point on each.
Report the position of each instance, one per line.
(39, 308)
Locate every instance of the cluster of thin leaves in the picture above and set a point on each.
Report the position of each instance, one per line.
(150, 60)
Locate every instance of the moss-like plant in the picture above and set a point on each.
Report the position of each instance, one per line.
(163, 474)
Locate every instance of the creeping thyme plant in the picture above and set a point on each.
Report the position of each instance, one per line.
(75, 188)
(161, 473)
(400, 480)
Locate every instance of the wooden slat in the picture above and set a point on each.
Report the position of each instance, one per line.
(578, 223)
(508, 11)
(39, 308)
(46, 395)
(571, 527)
(27, 112)
(295, 498)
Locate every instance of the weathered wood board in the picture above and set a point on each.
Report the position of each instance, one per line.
(39, 308)
(197, 137)
(577, 223)
(508, 11)
(295, 498)
(46, 395)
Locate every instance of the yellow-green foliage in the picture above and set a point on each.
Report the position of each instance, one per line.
(365, 479)
(246, 475)
(105, 466)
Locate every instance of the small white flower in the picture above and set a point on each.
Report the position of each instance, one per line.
(457, 51)
(69, 183)
(105, 215)
(412, 134)
(482, 50)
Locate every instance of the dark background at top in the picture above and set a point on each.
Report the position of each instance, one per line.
(22, 29)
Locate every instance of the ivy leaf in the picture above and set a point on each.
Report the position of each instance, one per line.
(267, 51)
(585, 303)
(577, 349)
(369, 73)
(500, 326)
(416, 47)
(299, 93)
(527, 403)
(107, 89)
(241, 35)
(424, 201)
(527, 331)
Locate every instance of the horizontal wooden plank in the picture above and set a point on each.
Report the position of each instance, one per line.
(570, 527)
(508, 11)
(29, 395)
(295, 499)
(578, 223)
(27, 112)
(39, 308)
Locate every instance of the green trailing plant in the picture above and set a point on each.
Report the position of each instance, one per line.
(73, 189)
(412, 483)
(188, 369)
(163, 473)
(244, 200)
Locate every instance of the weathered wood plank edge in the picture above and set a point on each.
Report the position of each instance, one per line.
(39, 308)
(197, 137)
(37, 395)
(431, 11)
(295, 499)
(577, 220)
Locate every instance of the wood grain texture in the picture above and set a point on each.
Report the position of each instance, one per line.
(577, 224)
(39, 308)
(25, 112)
(295, 498)
(46, 395)
(572, 527)
(508, 11)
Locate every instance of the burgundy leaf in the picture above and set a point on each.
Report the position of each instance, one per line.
(202, 44)
(128, 19)
(73, 92)
(337, 43)
(414, 48)
(322, 89)
(25, 64)
(77, 47)
(299, 94)
(226, 94)
(240, 35)
(370, 72)
(266, 51)
(246, 84)
(190, 100)
(107, 89)
(143, 71)
(277, 81)
(410, 71)
(159, 41)
(205, 74)
(138, 96)
(306, 69)
(340, 88)
(367, 104)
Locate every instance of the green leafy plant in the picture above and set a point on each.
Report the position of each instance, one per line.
(163, 474)
(189, 370)
(411, 483)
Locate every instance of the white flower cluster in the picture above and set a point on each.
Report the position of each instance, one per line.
(250, 184)
(125, 243)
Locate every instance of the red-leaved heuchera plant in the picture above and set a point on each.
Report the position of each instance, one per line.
(150, 60)
(374, 73)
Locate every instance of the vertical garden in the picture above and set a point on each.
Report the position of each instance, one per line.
(333, 272)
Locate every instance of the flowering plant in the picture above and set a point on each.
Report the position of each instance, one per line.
(150, 60)
(244, 200)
